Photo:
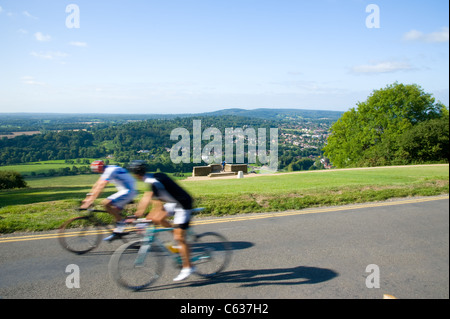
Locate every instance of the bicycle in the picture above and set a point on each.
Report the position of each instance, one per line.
(140, 263)
(89, 231)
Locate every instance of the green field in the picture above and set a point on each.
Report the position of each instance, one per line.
(49, 201)
(40, 167)
(318, 188)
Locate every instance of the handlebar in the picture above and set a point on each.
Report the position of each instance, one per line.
(136, 219)
(197, 210)
(142, 221)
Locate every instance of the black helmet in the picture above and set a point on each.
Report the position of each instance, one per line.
(138, 167)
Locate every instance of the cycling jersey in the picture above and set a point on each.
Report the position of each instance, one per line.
(178, 201)
(124, 182)
(167, 190)
(120, 177)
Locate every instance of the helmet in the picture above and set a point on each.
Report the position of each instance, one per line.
(138, 167)
(97, 166)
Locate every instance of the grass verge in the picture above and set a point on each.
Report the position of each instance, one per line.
(49, 202)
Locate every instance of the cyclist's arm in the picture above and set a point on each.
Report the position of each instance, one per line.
(94, 193)
(144, 203)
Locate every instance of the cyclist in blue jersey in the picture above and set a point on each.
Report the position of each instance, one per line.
(114, 204)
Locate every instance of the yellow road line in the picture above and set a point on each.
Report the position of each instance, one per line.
(243, 218)
(318, 210)
(49, 236)
(55, 235)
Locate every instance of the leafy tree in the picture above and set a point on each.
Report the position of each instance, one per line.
(426, 142)
(303, 164)
(11, 179)
(371, 135)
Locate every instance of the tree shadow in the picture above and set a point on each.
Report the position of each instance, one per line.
(44, 194)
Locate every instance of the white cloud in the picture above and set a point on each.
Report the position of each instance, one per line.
(29, 80)
(1, 9)
(382, 67)
(433, 37)
(49, 55)
(42, 37)
(28, 15)
(78, 44)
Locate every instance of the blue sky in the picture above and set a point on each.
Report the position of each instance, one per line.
(189, 56)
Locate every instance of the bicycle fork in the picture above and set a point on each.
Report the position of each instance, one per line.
(145, 247)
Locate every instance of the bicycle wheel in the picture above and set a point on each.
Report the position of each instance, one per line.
(135, 265)
(83, 238)
(210, 253)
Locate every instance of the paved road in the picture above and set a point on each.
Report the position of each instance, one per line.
(313, 253)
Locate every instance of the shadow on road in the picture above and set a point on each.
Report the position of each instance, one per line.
(280, 276)
(109, 250)
(300, 275)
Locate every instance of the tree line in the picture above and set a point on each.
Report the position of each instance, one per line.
(148, 140)
(400, 124)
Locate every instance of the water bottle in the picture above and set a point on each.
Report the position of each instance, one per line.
(171, 247)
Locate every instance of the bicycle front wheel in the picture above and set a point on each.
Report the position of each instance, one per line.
(210, 253)
(82, 238)
(135, 265)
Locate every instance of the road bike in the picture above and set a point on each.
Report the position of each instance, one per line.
(83, 233)
(138, 264)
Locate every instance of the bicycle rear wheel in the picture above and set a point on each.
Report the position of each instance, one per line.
(82, 238)
(136, 266)
(210, 253)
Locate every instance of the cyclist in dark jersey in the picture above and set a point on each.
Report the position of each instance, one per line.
(167, 199)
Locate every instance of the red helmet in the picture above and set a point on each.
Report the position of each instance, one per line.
(98, 166)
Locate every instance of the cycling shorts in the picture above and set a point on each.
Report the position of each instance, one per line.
(123, 197)
(181, 216)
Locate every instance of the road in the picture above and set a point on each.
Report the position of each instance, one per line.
(400, 248)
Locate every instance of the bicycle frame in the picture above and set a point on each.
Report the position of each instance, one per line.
(147, 241)
(150, 238)
(138, 264)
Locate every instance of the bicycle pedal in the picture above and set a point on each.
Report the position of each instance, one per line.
(115, 236)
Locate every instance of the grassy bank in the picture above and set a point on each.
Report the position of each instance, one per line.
(50, 201)
(318, 188)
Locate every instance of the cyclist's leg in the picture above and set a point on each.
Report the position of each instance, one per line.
(179, 235)
(115, 203)
(181, 220)
(158, 214)
(115, 212)
(112, 209)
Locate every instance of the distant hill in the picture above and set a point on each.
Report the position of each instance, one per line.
(26, 122)
(255, 113)
(278, 113)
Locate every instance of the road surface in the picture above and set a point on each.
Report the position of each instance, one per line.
(400, 248)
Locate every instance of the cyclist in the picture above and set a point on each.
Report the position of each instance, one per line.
(114, 204)
(167, 199)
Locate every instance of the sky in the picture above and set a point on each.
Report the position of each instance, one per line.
(192, 56)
